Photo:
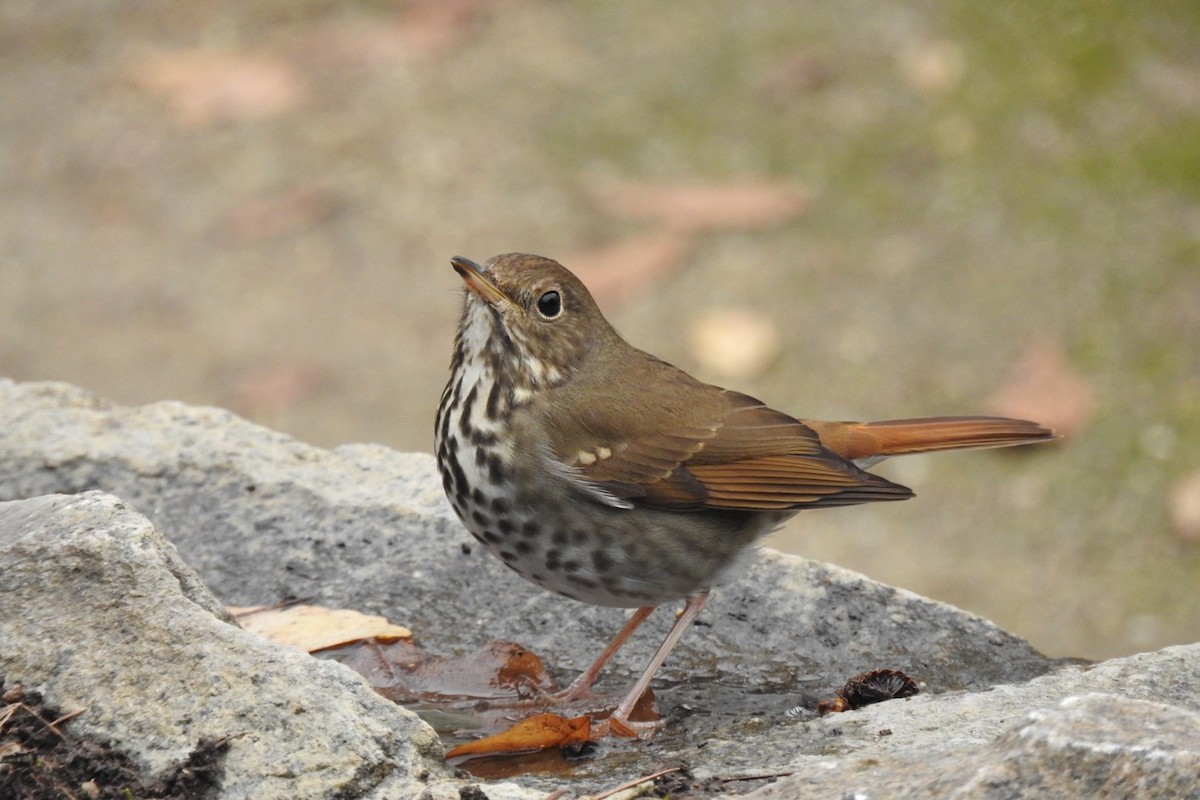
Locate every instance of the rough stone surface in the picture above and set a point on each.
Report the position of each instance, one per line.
(98, 612)
(1125, 728)
(261, 516)
(1094, 745)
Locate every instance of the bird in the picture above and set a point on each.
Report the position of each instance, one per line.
(604, 474)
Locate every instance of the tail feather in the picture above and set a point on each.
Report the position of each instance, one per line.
(868, 442)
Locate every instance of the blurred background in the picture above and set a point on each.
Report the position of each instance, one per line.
(852, 210)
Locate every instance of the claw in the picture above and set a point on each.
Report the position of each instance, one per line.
(629, 729)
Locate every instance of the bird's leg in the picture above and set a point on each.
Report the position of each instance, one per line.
(580, 686)
(619, 722)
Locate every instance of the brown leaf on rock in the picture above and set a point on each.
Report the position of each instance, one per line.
(539, 732)
(617, 270)
(404, 672)
(1184, 506)
(311, 628)
(205, 86)
(1043, 387)
(868, 688)
(697, 206)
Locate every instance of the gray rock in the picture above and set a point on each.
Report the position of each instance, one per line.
(99, 613)
(1095, 745)
(261, 516)
(1129, 727)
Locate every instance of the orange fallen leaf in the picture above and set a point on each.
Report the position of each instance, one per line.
(205, 86)
(1043, 387)
(313, 628)
(539, 732)
(615, 271)
(696, 206)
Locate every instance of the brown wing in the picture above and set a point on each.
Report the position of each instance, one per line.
(721, 450)
(759, 458)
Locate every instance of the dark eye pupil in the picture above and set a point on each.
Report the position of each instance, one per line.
(549, 304)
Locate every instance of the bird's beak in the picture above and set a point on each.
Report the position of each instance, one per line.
(477, 280)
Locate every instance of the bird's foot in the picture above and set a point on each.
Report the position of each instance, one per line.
(627, 728)
(580, 689)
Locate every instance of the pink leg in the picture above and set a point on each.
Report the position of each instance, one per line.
(619, 721)
(580, 686)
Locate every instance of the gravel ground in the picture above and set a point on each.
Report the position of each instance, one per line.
(253, 206)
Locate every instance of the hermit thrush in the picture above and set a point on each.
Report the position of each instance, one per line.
(599, 472)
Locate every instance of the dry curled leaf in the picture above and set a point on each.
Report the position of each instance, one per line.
(869, 688)
(695, 206)
(539, 732)
(313, 628)
(1043, 387)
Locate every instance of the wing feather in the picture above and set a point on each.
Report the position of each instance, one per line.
(738, 454)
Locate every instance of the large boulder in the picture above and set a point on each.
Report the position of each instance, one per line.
(261, 517)
(98, 612)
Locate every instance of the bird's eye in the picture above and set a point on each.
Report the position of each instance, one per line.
(549, 305)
